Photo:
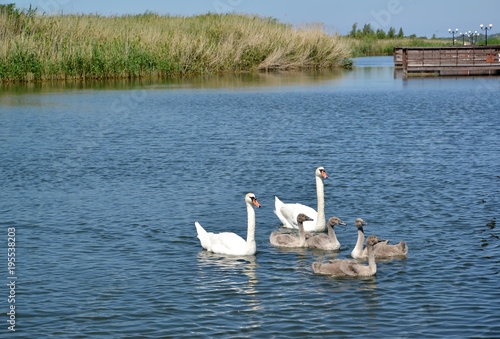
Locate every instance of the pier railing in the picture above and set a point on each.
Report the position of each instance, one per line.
(457, 60)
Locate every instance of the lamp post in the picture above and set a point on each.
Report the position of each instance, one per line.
(453, 34)
(485, 29)
(463, 38)
(471, 36)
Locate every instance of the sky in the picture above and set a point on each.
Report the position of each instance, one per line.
(420, 17)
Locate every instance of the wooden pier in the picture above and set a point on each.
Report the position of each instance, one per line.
(449, 60)
(398, 57)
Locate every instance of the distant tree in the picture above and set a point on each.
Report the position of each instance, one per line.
(400, 34)
(391, 33)
(433, 36)
(354, 30)
(380, 33)
(368, 31)
(413, 36)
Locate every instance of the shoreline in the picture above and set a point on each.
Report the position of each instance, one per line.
(195, 81)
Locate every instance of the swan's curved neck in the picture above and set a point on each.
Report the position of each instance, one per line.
(371, 260)
(332, 235)
(251, 224)
(361, 240)
(302, 235)
(320, 191)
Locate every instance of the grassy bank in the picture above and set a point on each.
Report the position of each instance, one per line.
(371, 47)
(43, 47)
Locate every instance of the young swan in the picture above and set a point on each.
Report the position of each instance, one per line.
(326, 242)
(351, 268)
(231, 243)
(382, 249)
(290, 240)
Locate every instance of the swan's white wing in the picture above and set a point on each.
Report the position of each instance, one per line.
(291, 211)
(203, 235)
(227, 243)
(277, 210)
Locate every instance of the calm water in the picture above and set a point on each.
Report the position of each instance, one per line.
(103, 182)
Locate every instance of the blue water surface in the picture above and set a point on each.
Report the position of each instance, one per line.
(103, 181)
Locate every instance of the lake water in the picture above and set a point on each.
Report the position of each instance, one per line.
(102, 183)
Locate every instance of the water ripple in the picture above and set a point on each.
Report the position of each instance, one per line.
(104, 205)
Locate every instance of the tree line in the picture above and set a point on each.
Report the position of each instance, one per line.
(368, 32)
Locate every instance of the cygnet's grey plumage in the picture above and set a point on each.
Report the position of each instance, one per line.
(382, 249)
(290, 240)
(326, 242)
(351, 268)
(358, 251)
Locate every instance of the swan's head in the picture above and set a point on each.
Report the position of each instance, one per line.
(334, 221)
(360, 223)
(320, 172)
(372, 240)
(251, 199)
(302, 217)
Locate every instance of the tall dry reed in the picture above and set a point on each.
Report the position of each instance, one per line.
(42, 47)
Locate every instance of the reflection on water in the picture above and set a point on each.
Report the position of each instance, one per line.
(213, 81)
(234, 265)
(227, 283)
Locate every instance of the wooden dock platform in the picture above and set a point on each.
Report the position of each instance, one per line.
(448, 60)
(398, 57)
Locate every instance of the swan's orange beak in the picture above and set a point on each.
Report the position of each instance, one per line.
(323, 173)
(256, 203)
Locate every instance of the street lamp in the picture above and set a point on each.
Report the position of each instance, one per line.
(485, 29)
(471, 36)
(463, 38)
(453, 34)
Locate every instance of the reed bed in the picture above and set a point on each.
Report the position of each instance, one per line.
(372, 47)
(78, 46)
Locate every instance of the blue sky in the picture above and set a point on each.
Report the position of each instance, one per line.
(420, 17)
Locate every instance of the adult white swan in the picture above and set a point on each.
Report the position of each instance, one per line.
(231, 243)
(287, 213)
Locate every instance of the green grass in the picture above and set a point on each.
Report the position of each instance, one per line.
(491, 41)
(372, 47)
(44, 47)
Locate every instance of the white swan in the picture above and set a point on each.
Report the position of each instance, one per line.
(326, 242)
(351, 268)
(290, 240)
(382, 249)
(231, 243)
(287, 213)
